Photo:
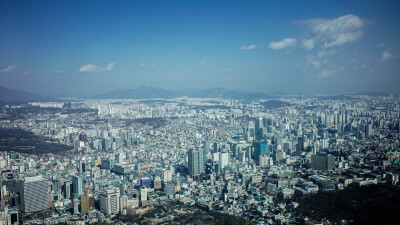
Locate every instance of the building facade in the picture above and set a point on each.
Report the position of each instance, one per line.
(195, 162)
(34, 194)
(322, 162)
(109, 202)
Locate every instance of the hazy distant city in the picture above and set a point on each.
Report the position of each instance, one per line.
(184, 112)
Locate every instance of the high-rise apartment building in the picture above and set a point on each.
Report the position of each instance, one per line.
(195, 162)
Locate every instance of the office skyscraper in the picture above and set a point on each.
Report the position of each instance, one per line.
(196, 161)
(84, 204)
(369, 131)
(34, 194)
(143, 194)
(109, 202)
(145, 182)
(82, 166)
(322, 162)
(167, 175)
(77, 188)
(260, 148)
(107, 143)
(123, 202)
(251, 130)
(258, 129)
(67, 189)
(76, 206)
(223, 160)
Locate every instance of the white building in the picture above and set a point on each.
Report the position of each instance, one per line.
(167, 175)
(224, 159)
(265, 160)
(143, 194)
(109, 202)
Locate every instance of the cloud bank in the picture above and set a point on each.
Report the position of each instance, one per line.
(285, 43)
(335, 32)
(250, 47)
(91, 68)
(8, 69)
(386, 55)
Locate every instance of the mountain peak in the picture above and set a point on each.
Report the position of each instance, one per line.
(12, 95)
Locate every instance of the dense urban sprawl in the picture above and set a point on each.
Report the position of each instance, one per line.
(154, 161)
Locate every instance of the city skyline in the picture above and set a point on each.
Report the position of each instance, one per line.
(87, 48)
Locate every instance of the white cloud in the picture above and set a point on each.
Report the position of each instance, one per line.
(324, 53)
(326, 73)
(143, 65)
(321, 67)
(229, 70)
(8, 69)
(386, 55)
(315, 63)
(308, 43)
(335, 32)
(109, 67)
(250, 47)
(90, 68)
(204, 61)
(340, 39)
(285, 43)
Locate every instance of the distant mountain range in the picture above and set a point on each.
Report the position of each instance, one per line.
(151, 92)
(139, 93)
(144, 92)
(8, 95)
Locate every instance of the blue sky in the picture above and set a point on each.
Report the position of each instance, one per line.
(89, 47)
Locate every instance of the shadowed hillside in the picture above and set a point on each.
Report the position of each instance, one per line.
(23, 141)
(374, 204)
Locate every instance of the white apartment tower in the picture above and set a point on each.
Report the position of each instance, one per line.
(196, 161)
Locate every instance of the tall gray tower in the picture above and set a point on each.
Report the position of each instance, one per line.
(196, 161)
(34, 194)
(258, 128)
(77, 187)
